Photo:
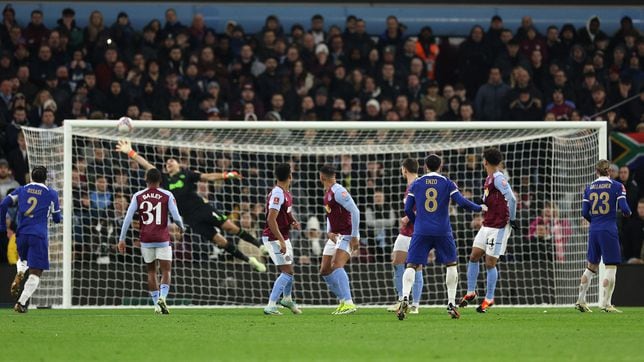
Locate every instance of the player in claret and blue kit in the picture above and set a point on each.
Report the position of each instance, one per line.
(154, 205)
(36, 202)
(342, 226)
(279, 220)
(492, 238)
(430, 196)
(599, 207)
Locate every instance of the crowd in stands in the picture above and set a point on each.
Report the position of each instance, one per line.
(313, 71)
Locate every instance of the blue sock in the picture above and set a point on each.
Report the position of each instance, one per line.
(165, 289)
(472, 275)
(332, 283)
(155, 296)
(343, 282)
(399, 270)
(492, 276)
(278, 286)
(417, 288)
(288, 288)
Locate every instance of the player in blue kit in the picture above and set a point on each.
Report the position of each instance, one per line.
(599, 207)
(35, 203)
(430, 194)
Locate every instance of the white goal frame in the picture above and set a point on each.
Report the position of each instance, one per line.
(69, 126)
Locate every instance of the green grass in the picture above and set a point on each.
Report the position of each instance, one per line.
(503, 334)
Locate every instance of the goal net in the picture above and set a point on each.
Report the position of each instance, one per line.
(547, 164)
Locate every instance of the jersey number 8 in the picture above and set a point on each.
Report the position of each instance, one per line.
(430, 199)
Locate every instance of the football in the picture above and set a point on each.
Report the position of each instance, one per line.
(125, 125)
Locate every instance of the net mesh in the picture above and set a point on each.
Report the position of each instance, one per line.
(546, 168)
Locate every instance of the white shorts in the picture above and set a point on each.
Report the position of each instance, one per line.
(493, 240)
(402, 243)
(277, 257)
(152, 254)
(344, 243)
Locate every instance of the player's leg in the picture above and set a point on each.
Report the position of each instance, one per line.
(38, 260)
(611, 255)
(21, 267)
(594, 257)
(478, 250)
(495, 248)
(445, 250)
(398, 257)
(164, 256)
(340, 259)
(326, 269)
(231, 248)
(232, 228)
(419, 249)
(283, 285)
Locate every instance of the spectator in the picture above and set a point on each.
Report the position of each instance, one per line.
(632, 236)
(559, 229)
(18, 160)
(587, 34)
(525, 107)
(380, 220)
(7, 181)
(36, 31)
(490, 97)
(172, 25)
(317, 29)
(434, 100)
(466, 112)
(93, 33)
(632, 188)
(427, 50)
(598, 104)
(475, 58)
(560, 107)
(533, 42)
(511, 58)
(393, 35)
(493, 35)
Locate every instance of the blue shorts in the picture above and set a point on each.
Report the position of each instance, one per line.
(604, 244)
(420, 245)
(35, 250)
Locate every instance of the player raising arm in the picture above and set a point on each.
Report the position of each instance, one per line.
(599, 207)
(343, 225)
(409, 170)
(430, 196)
(199, 215)
(492, 238)
(153, 205)
(275, 236)
(35, 202)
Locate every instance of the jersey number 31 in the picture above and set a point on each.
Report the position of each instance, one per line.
(147, 208)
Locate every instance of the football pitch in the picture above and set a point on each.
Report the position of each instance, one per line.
(503, 334)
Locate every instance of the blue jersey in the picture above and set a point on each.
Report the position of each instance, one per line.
(35, 203)
(431, 194)
(599, 206)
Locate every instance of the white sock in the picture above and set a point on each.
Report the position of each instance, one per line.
(21, 266)
(451, 280)
(30, 287)
(585, 283)
(408, 281)
(348, 301)
(272, 303)
(609, 285)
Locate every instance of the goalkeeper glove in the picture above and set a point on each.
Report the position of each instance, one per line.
(515, 226)
(232, 175)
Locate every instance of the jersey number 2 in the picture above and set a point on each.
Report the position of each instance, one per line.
(430, 199)
(32, 201)
(149, 218)
(604, 207)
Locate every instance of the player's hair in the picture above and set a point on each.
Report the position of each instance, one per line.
(411, 165)
(282, 171)
(39, 174)
(153, 176)
(327, 170)
(493, 156)
(603, 167)
(433, 162)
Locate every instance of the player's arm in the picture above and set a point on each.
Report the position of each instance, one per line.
(347, 202)
(55, 212)
(6, 203)
(410, 201)
(126, 223)
(275, 204)
(219, 176)
(125, 147)
(503, 185)
(455, 195)
(623, 204)
(332, 236)
(174, 211)
(585, 206)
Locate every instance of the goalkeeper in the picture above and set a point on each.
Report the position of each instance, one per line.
(202, 218)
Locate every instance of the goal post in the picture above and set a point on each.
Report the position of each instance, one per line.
(548, 164)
